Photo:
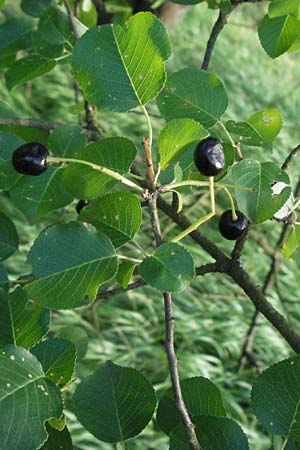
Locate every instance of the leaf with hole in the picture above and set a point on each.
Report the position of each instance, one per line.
(262, 204)
(114, 403)
(69, 263)
(275, 391)
(58, 357)
(194, 94)
(58, 440)
(120, 68)
(169, 269)
(22, 323)
(201, 397)
(27, 400)
(117, 214)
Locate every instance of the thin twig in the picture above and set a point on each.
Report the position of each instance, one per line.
(290, 157)
(72, 19)
(47, 126)
(168, 305)
(217, 28)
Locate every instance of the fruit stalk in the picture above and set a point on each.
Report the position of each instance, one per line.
(104, 170)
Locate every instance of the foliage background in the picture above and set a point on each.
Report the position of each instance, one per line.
(212, 316)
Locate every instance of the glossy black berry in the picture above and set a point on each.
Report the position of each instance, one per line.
(233, 229)
(80, 205)
(209, 157)
(30, 159)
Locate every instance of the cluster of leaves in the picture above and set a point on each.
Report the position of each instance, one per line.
(118, 68)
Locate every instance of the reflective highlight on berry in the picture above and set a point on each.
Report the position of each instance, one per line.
(233, 229)
(30, 159)
(209, 157)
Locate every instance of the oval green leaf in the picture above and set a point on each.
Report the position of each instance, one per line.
(278, 34)
(70, 263)
(27, 400)
(276, 398)
(201, 397)
(38, 196)
(28, 68)
(116, 153)
(177, 137)
(265, 201)
(58, 357)
(22, 323)
(117, 214)
(115, 403)
(213, 433)
(194, 94)
(169, 269)
(121, 68)
(261, 129)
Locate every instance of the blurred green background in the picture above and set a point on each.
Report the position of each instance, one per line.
(212, 317)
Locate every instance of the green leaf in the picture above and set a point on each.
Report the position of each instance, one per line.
(57, 357)
(34, 8)
(260, 129)
(27, 399)
(278, 34)
(117, 214)
(115, 403)
(38, 196)
(87, 13)
(70, 263)
(22, 323)
(201, 397)
(284, 7)
(9, 240)
(28, 68)
(57, 440)
(121, 68)
(276, 390)
(67, 141)
(169, 269)
(194, 94)
(213, 433)
(54, 27)
(262, 204)
(125, 272)
(4, 282)
(14, 34)
(77, 336)
(116, 153)
(177, 137)
(8, 175)
(291, 243)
